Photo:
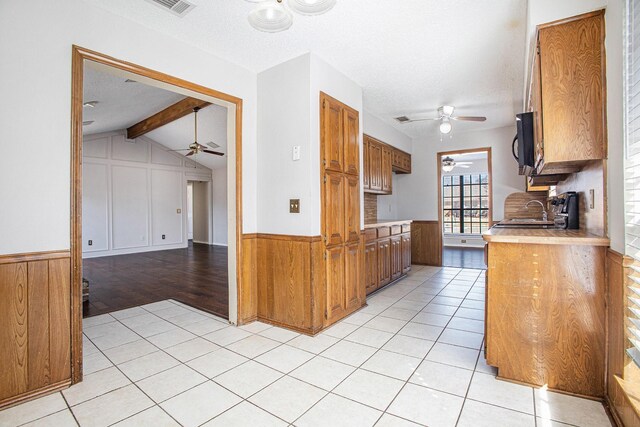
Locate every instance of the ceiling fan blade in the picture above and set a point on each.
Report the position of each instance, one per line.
(182, 149)
(464, 163)
(190, 153)
(213, 152)
(462, 166)
(469, 118)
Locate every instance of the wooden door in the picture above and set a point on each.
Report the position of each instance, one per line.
(384, 262)
(336, 295)
(365, 164)
(332, 135)
(351, 142)
(351, 208)
(386, 169)
(375, 166)
(333, 209)
(406, 253)
(352, 280)
(396, 257)
(371, 267)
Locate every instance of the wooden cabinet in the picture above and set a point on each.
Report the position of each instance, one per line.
(396, 257)
(371, 266)
(387, 255)
(350, 124)
(567, 94)
(334, 212)
(406, 253)
(353, 286)
(336, 292)
(384, 262)
(380, 161)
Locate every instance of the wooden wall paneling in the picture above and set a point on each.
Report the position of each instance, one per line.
(318, 284)
(332, 135)
(351, 142)
(426, 243)
(60, 318)
(38, 331)
(248, 290)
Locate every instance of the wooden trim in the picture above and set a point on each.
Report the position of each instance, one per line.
(287, 237)
(34, 256)
(570, 19)
(168, 115)
(21, 398)
(79, 55)
(432, 221)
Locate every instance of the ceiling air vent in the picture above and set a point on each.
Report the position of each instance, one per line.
(177, 7)
(213, 144)
(402, 119)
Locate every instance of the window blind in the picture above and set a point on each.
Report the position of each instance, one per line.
(632, 174)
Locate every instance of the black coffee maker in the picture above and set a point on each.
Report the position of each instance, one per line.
(566, 209)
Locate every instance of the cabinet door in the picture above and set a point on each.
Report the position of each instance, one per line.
(335, 284)
(406, 253)
(386, 170)
(351, 208)
(352, 276)
(365, 164)
(332, 136)
(384, 262)
(371, 267)
(334, 218)
(396, 257)
(536, 107)
(351, 142)
(375, 166)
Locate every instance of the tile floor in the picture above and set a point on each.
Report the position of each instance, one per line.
(411, 357)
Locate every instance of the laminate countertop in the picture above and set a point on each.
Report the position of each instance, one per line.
(544, 236)
(386, 223)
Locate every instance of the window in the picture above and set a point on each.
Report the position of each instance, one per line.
(465, 203)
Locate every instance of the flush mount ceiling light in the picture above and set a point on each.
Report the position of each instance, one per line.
(445, 126)
(272, 16)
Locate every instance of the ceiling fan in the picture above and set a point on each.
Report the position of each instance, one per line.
(445, 115)
(195, 147)
(448, 164)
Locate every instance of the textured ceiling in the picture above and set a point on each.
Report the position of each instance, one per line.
(409, 56)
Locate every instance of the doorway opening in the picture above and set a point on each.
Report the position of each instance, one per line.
(465, 205)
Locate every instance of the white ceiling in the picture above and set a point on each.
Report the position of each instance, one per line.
(121, 105)
(409, 56)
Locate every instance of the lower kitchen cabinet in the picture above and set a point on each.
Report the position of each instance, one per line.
(371, 266)
(387, 254)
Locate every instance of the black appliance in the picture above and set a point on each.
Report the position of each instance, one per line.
(566, 209)
(526, 145)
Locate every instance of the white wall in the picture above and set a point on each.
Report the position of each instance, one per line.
(220, 210)
(132, 194)
(201, 209)
(542, 11)
(35, 45)
(377, 128)
(418, 192)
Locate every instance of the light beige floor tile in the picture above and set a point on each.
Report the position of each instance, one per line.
(370, 388)
(200, 404)
(392, 364)
(130, 351)
(88, 347)
(422, 331)
(95, 362)
(167, 384)
(453, 355)
(32, 410)
(337, 411)
(171, 338)
(205, 327)
(279, 334)
(569, 409)
(408, 304)
(171, 312)
(155, 328)
(96, 384)
(469, 303)
(322, 372)
(409, 346)
(477, 414)
(157, 306)
(486, 388)
(129, 312)
(541, 422)
(288, 398)
(191, 349)
(388, 420)
(340, 330)
(315, 345)
(351, 353)
(144, 318)
(111, 407)
(442, 377)
(256, 327)
(385, 324)
(431, 319)
(358, 318)
(453, 293)
(454, 302)
(226, 336)
(148, 365)
(188, 318)
(470, 313)
(243, 415)
(89, 322)
(285, 358)
(153, 416)
(215, 363)
(461, 338)
(482, 366)
(59, 419)
(399, 313)
(248, 378)
(427, 407)
(370, 337)
(253, 346)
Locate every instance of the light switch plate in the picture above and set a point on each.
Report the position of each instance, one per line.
(296, 152)
(294, 205)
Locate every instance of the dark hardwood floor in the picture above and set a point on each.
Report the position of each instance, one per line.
(463, 257)
(196, 276)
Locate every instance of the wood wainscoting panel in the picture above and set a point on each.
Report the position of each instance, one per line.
(35, 314)
(248, 287)
(426, 243)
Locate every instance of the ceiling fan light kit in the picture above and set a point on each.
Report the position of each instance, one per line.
(445, 126)
(445, 115)
(271, 16)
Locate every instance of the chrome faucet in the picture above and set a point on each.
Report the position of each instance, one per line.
(544, 212)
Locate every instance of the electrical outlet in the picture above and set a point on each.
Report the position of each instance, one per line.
(90, 242)
(294, 205)
(463, 241)
(164, 237)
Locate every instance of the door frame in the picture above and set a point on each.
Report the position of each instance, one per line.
(439, 169)
(79, 55)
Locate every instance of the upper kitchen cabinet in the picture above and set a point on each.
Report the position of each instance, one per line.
(380, 160)
(341, 134)
(567, 94)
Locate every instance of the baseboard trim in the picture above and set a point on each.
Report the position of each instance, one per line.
(33, 394)
(34, 256)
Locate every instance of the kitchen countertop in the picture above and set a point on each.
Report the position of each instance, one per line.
(544, 236)
(386, 223)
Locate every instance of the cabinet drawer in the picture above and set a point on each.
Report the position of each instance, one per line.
(370, 234)
(406, 228)
(396, 229)
(384, 232)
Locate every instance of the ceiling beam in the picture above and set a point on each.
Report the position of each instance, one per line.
(168, 115)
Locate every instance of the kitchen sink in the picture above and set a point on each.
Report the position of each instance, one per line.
(524, 223)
